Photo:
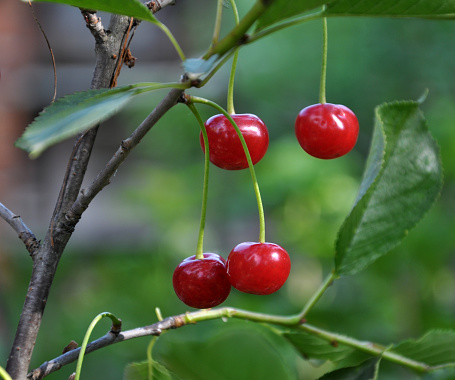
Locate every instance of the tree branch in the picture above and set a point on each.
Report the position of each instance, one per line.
(23, 232)
(48, 256)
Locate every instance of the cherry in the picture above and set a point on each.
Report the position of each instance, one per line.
(258, 268)
(226, 150)
(202, 283)
(326, 130)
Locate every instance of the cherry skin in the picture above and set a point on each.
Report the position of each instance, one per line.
(226, 150)
(258, 268)
(202, 283)
(326, 130)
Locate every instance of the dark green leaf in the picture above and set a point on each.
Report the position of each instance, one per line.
(78, 112)
(132, 8)
(280, 10)
(319, 350)
(402, 179)
(393, 8)
(434, 348)
(72, 114)
(368, 370)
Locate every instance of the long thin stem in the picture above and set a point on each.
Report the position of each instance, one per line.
(196, 99)
(116, 323)
(171, 37)
(200, 242)
(317, 295)
(218, 18)
(230, 95)
(322, 88)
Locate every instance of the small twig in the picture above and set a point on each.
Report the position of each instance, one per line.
(23, 232)
(50, 50)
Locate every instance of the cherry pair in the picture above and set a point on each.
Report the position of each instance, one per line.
(255, 268)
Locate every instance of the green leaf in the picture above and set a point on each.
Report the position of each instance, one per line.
(281, 10)
(77, 113)
(435, 348)
(368, 370)
(402, 179)
(319, 350)
(132, 8)
(393, 8)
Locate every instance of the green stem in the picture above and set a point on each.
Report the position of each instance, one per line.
(174, 42)
(196, 99)
(370, 348)
(218, 18)
(200, 242)
(322, 97)
(285, 24)
(5, 374)
(149, 357)
(116, 325)
(236, 35)
(317, 295)
(230, 96)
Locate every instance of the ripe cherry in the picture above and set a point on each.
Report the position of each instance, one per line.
(226, 150)
(326, 130)
(258, 268)
(202, 283)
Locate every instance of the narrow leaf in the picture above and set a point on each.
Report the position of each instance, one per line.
(402, 179)
(281, 10)
(78, 112)
(368, 370)
(437, 347)
(132, 8)
(393, 8)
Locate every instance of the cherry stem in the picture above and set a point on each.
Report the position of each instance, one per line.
(230, 95)
(322, 88)
(169, 35)
(216, 32)
(200, 242)
(195, 99)
(116, 326)
(317, 295)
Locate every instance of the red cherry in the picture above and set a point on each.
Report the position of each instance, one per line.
(326, 130)
(258, 268)
(202, 283)
(226, 150)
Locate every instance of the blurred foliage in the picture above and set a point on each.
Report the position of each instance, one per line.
(402, 295)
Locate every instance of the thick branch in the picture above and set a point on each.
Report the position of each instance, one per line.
(23, 232)
(48, 256)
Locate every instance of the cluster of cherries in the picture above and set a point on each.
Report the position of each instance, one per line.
(324, 131)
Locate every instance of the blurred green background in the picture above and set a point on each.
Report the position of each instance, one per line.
(404, 294)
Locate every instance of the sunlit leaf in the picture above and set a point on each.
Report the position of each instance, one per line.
(393, 8)
(368, 370)
(402, 179)
(132, 8)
